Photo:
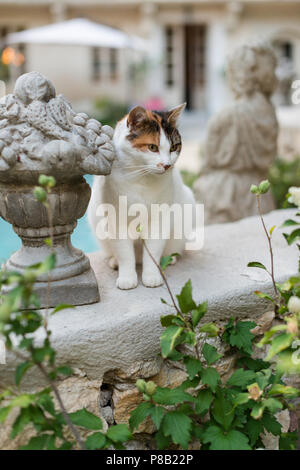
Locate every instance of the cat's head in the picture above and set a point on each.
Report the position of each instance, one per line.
(148, 142)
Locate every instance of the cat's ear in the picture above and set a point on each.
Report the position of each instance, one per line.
(174, 114)
(136, 116)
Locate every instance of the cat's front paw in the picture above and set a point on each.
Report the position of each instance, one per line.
(127, 282)
(152, 280)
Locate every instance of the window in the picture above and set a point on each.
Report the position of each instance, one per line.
(21, 54)
(3, 34)
(285, 70)
(200, 55)
(284, 49)
(96, 72)
(113, 64)
(21, 58)
(169, 56)
(287, 50)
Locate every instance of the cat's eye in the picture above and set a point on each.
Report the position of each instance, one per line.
(174, 148)
(153, 148)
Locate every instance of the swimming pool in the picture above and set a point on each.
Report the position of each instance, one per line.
(82, 237)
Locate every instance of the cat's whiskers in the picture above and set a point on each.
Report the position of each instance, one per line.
(141, 171)
(139, 167)
(137, 173)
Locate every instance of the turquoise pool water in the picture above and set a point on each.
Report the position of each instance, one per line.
(82, 237)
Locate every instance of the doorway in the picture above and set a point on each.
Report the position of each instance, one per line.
(194, 73)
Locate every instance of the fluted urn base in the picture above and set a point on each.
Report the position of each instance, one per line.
(72, 281)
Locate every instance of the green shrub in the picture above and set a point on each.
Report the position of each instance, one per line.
(109, 112)
(282, 175)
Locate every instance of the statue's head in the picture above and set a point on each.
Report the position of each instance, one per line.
(34, 86)
(251, 68)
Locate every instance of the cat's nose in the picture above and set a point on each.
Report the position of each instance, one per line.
(166, 167)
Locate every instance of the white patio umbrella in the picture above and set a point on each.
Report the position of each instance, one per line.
(79, 31)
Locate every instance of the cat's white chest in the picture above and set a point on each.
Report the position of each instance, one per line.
(148, 190)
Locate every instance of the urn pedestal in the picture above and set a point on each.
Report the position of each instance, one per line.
(72, 281)
(40, 134)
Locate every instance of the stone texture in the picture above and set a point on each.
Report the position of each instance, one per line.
(241, 140)
(76, 392)
(80, 392)
(134, 371)
(169, 376)
(108, 415)
(264, 323)
(121, 333)
(124, 403)
(41, 134)
(105, 397)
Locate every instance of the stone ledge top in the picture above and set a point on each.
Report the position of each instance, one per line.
(123, 330)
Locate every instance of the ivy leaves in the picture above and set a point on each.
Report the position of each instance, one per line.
(178, 426)
(218, 439)
(222, 410)
(210, 354)
(86, 419)
(239, 334)
(115, 436)
(193, 366)
(185, 299)
(175, 424)
(170, 338)
(241, 378)
(211, 377)
(180, 328)
(20, 319)
(237, 412)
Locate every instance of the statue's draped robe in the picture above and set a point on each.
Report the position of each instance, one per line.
(240, 147)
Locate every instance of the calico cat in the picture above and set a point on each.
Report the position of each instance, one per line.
(147, 145)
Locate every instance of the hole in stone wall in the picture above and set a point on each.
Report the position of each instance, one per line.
(106, 391)
(106, 404)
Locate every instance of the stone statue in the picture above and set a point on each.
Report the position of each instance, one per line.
(242, 139)
(41, 134)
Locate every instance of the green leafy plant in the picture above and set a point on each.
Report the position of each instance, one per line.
(20, 319)
(232, 414)
(109, 112)
(283, 339)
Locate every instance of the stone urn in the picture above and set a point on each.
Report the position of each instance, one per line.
(41, 134)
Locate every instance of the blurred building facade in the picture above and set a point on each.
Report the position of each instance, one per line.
(188, 43)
